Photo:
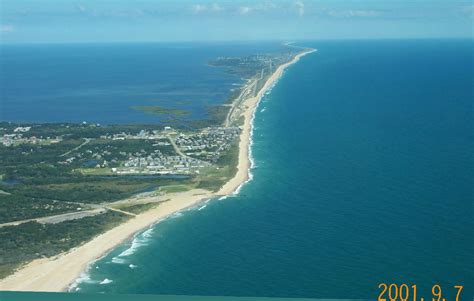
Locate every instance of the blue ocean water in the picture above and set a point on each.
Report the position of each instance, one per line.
(364, 172)
(99, 83)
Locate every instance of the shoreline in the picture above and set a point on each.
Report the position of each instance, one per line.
(58, 273)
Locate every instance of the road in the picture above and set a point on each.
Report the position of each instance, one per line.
(87, 140)
(249, 90)
(54, 219)
(94, 209)
(176, 148)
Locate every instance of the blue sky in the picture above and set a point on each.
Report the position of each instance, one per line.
(64, 21)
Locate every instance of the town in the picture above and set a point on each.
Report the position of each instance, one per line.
(165, 151)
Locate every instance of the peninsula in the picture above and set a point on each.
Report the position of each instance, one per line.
(211, 170)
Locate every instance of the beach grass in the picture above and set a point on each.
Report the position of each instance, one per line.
(33, 240)
(138, 208)
(176, 188)
(214, 177)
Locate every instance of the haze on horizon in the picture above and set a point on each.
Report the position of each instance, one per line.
(66, 21)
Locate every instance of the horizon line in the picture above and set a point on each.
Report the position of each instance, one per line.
(240, 41)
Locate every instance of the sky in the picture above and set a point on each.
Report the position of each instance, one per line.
(79, 21)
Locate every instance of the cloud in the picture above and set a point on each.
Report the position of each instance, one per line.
(200, 8)
(354, 13)
(299, 7)
(266, 6)
(261, 7)
(81, 8)
(243, 10)
(216, 7)
(7, 28)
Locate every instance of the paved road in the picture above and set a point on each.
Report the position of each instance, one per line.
(250, 90)
(95, 209)
(237, 102)
(176, 148)
(54, 219)
(87, 140)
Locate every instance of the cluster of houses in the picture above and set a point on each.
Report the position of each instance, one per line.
(208, 144)
(157, 163)
(143, 134)
(17, 137)
(252, 63)
(193, 150)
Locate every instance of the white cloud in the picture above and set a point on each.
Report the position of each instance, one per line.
(199, 8)
(243, 10)
(7, 28)
(266, 6)
(81, 8)
(354, 13)
(216, 7)
(299, 7)
(261, 7)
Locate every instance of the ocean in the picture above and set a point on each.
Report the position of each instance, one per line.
(363, 173)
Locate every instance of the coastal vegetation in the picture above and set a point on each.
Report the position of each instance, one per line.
(158, 110)
(218, 113)
(225, 169)
(33, 240)
(20, 207)
(138, 208)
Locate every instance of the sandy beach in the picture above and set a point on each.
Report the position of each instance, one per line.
(57, 273)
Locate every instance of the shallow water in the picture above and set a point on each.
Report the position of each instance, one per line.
(99, 83)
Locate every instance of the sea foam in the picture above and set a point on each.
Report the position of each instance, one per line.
(106, 281)
(83, 278)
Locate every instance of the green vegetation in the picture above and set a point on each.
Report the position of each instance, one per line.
(218, 114)
(39, 180)
(79, 189)
(20, 207)
(233, 95)
(176, 188)
(73, 130)
(115, 147)
(32, 240)
(139, 208)
(158, 110)
(240, 121)
(214, 177)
